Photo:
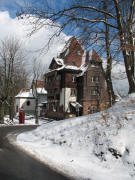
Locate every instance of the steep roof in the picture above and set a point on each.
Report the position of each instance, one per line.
(86, 57)
(94, 56)
(57, 61)
(25, 93)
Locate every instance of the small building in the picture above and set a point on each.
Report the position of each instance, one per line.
(26, 99)
(75, 83)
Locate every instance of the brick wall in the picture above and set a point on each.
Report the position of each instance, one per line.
(73, 55)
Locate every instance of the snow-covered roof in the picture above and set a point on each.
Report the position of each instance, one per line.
(59, 61)
(66, 67)
(25, 94)
(76, 104)
(91, 55)
(72, 67)
(44, 102)
(28, 93)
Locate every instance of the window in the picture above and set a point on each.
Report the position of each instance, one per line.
(45, 80)
(94, 92)
(58, 77)
(73, 92)
(74, 63)
(93, 63)
(95, 79)
(73, 79)
(92, 79)
(58, 97)
(94, 109)
(79, 53)
(28, 103)
(55, 90)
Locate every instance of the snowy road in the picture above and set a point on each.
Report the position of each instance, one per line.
(17, 165)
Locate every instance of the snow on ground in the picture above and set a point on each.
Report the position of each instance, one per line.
(97, 147)
(29, 120)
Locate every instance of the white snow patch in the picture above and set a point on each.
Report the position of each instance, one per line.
(41, 91)
(24, 94)
(98, 147)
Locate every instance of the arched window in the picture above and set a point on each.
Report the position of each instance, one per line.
(28, 103)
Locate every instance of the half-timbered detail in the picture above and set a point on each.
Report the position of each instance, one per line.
(75, 83)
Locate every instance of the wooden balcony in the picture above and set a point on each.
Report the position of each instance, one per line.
(53, 85)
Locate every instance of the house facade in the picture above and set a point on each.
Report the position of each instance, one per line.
(26, 99)
(75, 83)
(91, 87)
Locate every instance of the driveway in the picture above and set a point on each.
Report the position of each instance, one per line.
(15, 164)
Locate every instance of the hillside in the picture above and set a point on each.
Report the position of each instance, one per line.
(97, 147)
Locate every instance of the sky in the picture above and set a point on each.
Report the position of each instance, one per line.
(13, 5)
(10, 26)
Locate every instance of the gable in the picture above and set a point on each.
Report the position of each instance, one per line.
(53, 64)
(56, 63)
(74, 53)
(95, 57)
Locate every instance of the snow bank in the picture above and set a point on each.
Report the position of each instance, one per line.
(99, 146)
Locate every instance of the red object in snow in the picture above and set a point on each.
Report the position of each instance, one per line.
(21, 116)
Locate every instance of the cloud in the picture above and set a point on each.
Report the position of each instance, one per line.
(15, 28)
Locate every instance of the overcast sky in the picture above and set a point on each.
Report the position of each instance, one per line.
(11, 26)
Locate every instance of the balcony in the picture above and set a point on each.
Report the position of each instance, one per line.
(53, 85)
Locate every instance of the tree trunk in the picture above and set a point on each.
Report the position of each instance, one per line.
(109, 62)
(1, 113)
(11, 108)
(110, 89)
(127, 55)
(108, 74)
(36, 111)
(129, 72)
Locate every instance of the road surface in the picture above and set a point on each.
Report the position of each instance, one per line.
(17, 165)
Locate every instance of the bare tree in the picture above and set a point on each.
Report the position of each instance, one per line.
(109, 60)
(38, 71)
(12, 74)
(88, 18)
